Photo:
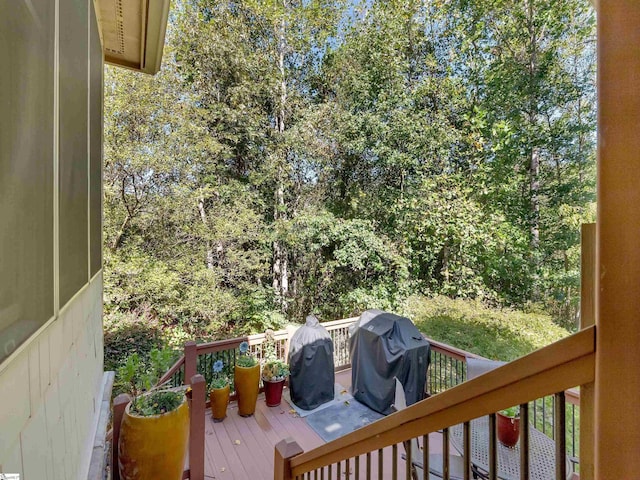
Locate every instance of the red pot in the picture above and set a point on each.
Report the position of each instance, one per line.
(508, 429)
(273, 392)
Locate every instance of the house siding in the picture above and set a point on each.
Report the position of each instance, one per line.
(51, 343)
(51, 394)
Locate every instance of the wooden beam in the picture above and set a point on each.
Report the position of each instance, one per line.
(588, 275)
(196, 427)
(190, 360)
(119, 405)
(587, 319)
(618, 238)
(285, 450)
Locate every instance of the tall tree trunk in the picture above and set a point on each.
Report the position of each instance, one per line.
(534, 153)
(131, 210)
(534, 190)
(280, 253)
(117, 241)
(203, 217)
(534, 156)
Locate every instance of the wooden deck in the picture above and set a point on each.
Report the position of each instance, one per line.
(243, 448)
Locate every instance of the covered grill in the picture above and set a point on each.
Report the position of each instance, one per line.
(385, 346)
(311, 365)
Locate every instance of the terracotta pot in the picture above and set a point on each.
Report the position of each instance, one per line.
(508, 429)
(273, 392)
(219, 399)
(247, 383)
(153, 447)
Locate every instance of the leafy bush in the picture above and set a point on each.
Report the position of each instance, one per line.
(156, 403)
(513, 412)
(126, 333)
(502, 334)
(140, 379)
(344, 266)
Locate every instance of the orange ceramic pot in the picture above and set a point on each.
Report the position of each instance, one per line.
(219, 399)
(247, 383)
(508, 429)
(153, 447)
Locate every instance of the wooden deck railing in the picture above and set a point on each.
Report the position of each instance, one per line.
(447, 369)
(197, 363)
(549, 371)
(201, 357)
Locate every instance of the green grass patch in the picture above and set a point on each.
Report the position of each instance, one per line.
(499, 334)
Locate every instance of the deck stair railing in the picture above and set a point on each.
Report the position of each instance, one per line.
(549, 371)
(448, 368)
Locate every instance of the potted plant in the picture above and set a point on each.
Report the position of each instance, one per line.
(274, 374)
(508, 424)
(246, 381)
(155, 425)
(219, 392)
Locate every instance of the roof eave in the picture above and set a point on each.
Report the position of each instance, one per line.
(133, 32)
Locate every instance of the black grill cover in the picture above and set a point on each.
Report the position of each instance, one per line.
(384, 346)
(311, 365)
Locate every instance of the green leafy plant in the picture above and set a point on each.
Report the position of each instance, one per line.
(245, 359)
(140, 379)
(513, 412)
(275, 370)
(219, 378)
(156, 403)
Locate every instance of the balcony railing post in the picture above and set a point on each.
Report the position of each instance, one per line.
(559, 424)
(587, 319)
(190, 360)
(119, 404)
(196, 428)
(285, 450)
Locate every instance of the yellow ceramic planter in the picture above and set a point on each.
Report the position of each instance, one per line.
(153, 447)
(219, 399)
(247, 383)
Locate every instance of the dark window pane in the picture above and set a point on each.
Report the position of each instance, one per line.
(26, 170)
(95, 203)
(73, 148)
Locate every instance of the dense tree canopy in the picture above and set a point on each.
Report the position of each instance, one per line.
(314, 155)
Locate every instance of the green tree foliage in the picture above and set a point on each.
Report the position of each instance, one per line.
(533, 114)
(297, 156)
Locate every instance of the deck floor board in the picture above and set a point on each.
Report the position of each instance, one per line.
(252, 458)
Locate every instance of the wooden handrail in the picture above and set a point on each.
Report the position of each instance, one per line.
(174, 368)
(255, 339)
(557, 367)
(258, 338)
(220, 345)
(572, 395)
(450, 351)
(335, 324)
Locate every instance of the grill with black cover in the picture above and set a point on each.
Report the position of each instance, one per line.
(385, 346)
(312, 375)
